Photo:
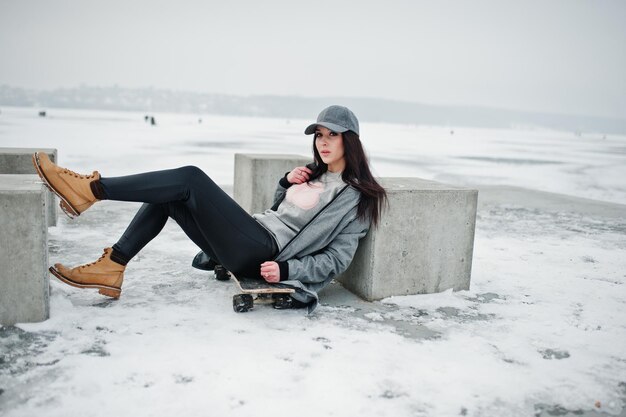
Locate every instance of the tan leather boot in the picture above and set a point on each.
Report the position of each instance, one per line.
(103, 274)
(73, 189)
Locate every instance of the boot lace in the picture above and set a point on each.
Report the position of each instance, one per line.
(80, 176)
(94, 262)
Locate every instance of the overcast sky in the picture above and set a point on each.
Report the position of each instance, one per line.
(563, 56)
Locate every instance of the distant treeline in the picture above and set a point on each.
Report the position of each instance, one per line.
(368, 109)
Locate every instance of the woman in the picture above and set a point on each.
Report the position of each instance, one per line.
(308, 237)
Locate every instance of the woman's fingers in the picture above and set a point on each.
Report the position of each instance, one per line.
(302, 177)
(270, 271)
(271, 278)
(299, 175)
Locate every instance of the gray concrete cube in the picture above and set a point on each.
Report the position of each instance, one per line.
(424, 243)
(19, 161)
(24, 280)
(257, 175)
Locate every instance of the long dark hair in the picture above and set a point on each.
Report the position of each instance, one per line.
(357, 174)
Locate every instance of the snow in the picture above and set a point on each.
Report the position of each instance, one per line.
(542, 329)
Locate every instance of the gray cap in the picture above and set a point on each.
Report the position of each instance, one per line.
(336, 118)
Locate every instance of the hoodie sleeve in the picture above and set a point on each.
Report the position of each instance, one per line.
(330, 261)
(281, 189)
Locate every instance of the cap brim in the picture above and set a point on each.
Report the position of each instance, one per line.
(335, 128)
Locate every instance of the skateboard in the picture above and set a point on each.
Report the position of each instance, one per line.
(255, 290)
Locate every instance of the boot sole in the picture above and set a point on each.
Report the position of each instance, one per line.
(66, 206)
(112, 292)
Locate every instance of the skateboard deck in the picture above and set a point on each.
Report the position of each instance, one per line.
(256, 286)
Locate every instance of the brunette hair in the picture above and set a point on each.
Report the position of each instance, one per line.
(357, 174)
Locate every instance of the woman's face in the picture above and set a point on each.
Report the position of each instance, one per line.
(329, 144)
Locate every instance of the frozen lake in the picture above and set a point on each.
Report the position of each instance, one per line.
(541, 332)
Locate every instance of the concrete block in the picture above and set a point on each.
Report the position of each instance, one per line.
(257, 175)
(424, 243)
(18, 161)
(24, 279)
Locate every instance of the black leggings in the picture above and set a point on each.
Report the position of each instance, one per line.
(211, 219)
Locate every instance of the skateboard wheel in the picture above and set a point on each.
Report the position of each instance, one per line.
(221, 273)
(242, 303)
(282, 301)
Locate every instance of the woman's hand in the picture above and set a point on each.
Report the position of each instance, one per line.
(299, 175)
(270, 271)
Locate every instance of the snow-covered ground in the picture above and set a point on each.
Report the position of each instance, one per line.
(542, 330)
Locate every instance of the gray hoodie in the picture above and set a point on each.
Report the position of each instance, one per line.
(324, 247)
